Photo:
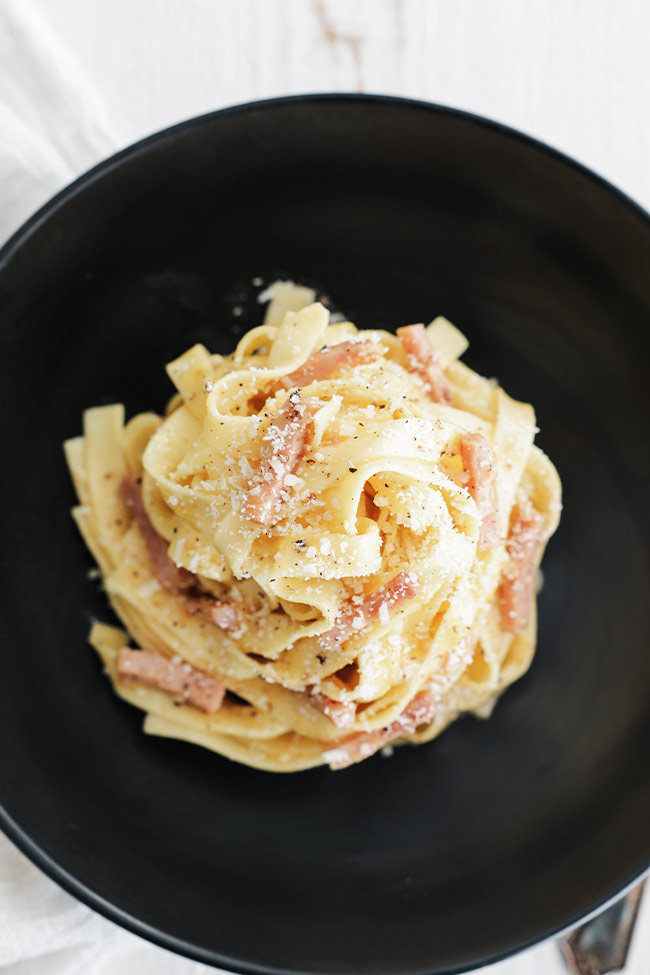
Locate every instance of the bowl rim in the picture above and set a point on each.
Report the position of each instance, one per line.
(160, 135)
(38, 856)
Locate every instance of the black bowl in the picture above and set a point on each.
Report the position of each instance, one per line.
(444, 857)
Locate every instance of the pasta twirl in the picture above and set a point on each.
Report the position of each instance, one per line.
(328, 543)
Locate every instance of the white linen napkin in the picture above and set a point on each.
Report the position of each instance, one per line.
(53, 124)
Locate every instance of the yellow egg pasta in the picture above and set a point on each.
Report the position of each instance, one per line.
(327, 544)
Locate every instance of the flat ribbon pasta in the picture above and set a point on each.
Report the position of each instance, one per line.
(338, 528)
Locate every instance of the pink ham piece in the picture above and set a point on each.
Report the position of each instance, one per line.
(478, 462)
(424, 361)
(329, 360)
(174, 578)
(348, 751)
(341, 714)
(171, 577)
(361, 610)
(224, 615)
(166, 674)
(284, 444)
(516, 589)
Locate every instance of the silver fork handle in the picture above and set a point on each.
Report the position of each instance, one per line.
(601, 944)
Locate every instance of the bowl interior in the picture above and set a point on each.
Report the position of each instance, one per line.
(499, 832)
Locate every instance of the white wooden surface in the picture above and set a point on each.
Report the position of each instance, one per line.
(574, 73)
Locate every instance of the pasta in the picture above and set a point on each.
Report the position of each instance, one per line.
(327, 544)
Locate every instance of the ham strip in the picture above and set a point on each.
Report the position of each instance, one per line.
(224, 615)
(348, 751)
(328, 360)
(364, 609)
(424, 361)
(478, 462)
(284, 444)
(171, 676)
(171, 577)
(516, 589)
(340, 714)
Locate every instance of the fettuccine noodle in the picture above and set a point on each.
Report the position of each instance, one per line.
(327, 544)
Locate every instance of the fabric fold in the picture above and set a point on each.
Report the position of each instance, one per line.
(53, 123)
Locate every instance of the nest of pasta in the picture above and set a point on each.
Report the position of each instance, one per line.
(328, 543)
